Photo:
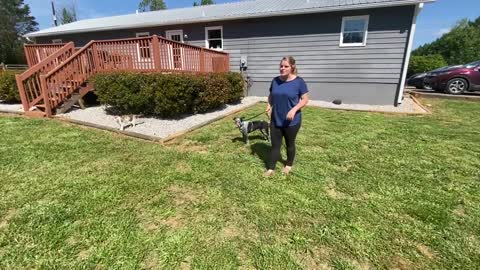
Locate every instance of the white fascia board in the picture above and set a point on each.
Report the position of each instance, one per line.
(418, 8)
(216, 19)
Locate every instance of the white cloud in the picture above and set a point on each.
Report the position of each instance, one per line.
(442, 31)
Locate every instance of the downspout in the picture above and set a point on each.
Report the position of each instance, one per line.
(418, 8)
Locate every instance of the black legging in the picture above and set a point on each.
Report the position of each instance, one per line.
(277, 134)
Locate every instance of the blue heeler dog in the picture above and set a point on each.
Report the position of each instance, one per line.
(246, 127)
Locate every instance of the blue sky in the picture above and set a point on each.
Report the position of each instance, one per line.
(434, 20)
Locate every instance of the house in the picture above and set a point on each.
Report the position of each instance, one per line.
(353, 50)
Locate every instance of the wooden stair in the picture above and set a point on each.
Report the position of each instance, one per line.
(76, 97)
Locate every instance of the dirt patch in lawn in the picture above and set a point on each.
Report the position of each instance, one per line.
(7, 217)
(150, 262)
(425, 251)
(189, 146)
(316, 258)
(182, 196)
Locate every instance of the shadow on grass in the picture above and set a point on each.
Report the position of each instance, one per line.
(262, 151)
(254, 137)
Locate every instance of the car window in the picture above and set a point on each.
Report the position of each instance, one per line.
(473, 64)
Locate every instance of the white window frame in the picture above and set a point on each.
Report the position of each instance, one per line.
(142, 34)
(174, 32)
(139, 55)
(207, 45)
(57, 41)
(365, 31)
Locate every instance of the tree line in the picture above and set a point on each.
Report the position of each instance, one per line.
(459, 46)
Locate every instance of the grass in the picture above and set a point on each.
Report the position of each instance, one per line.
(368, 191)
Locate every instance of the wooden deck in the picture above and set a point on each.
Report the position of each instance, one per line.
(55, 76)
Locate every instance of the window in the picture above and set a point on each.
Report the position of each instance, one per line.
(142, 34)
(143, 47)
(56, 41)
(214, 37)
(354, 31)
(175, 35)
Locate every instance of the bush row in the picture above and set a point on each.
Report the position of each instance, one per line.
(8, 87)
(167, 95)
(424, 63)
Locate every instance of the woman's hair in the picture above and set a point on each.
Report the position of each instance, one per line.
(291, 61)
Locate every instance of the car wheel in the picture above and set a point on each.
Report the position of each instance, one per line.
(456, 86)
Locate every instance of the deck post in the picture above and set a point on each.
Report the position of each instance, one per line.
(46, 100)
(202, 60)
(227, 63)
(96, 61)
(21, 91)
(156, 52)
(28, 56)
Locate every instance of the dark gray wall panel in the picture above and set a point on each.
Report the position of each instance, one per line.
(350, 93)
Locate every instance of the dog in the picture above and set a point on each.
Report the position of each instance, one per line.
(126, 120)
(247, 127)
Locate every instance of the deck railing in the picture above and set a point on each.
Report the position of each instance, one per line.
(35, 53)
(145, 54)
(29, 85)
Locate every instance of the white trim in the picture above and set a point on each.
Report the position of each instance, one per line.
(418, 8)
(57, 40)
(142, 34)
(365, 31)
(206, 36)
(174, 32)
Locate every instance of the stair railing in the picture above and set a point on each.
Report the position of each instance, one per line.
(58, 84)
(36, 53)
(29, 85)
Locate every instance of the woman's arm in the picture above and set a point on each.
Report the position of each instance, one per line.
(303, 101)
(268, 110)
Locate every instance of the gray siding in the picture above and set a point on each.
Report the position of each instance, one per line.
(368, 74)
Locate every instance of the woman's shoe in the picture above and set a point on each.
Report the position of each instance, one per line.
(287, 169)
(268, 173)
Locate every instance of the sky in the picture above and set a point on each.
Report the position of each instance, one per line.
(434, 20)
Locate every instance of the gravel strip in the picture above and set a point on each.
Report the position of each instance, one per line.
(4, 107)
(407, 106)
(155, 127)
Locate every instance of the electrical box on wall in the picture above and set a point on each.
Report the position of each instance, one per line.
(243, 62)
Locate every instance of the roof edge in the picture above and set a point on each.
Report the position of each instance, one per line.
(253, 15)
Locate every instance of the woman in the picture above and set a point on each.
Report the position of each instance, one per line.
(288, 94)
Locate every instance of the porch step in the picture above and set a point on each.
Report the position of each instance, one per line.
(35, 114)
(75, 98)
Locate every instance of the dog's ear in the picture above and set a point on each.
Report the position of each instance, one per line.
(241, 118)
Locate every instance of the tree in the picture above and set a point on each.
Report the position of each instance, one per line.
(424, 63)
(15, 21)
(68, 15)
(459, 46)
(151, 5)
(203, 3)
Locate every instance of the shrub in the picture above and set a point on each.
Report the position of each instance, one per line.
(237, 83)
(167, 95)
(420, 64)
(8, 87)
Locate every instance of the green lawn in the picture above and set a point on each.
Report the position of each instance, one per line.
(368, 191)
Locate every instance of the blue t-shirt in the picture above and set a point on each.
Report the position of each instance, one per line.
(285, 95)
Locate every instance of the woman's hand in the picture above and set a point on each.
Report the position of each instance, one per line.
(291, 114)
(268, 111)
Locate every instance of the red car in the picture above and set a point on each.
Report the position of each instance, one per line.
(456, 79)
